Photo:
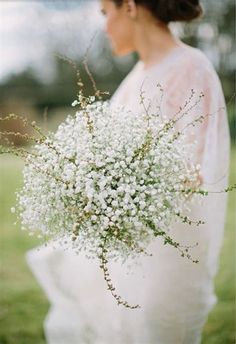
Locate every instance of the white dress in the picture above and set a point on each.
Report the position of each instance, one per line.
(175, 294)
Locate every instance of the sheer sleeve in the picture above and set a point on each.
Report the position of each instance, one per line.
(211, 134)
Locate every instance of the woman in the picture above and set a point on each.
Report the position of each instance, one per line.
(175, 295)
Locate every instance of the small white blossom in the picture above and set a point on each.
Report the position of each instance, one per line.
(75, 102)
(101, 183)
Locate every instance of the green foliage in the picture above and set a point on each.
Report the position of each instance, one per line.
(22, 303)
(220, 327)
(232, 120)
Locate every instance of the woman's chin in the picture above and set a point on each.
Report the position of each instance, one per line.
(120, 52)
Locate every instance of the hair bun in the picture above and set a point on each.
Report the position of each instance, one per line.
(171, 10)
(186, 10)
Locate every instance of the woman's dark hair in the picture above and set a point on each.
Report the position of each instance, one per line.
(170, 10)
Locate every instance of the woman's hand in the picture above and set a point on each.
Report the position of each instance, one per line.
(193, 185)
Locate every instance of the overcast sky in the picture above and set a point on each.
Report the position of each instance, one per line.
(31, 32)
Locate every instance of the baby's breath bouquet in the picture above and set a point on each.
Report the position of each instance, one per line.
(108, 182)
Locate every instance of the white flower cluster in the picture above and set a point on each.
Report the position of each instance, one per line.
(106, 174)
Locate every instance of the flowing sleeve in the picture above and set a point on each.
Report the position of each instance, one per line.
(211, 152)
(212, 133)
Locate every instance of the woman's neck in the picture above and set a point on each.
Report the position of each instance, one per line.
(153, 42)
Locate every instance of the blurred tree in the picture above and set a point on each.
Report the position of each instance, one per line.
(214, 34)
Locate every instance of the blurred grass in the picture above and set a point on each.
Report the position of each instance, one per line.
(23, 305)
(220, 328)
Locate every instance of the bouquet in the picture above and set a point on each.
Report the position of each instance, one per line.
(108, 182)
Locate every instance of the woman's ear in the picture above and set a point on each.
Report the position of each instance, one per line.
(131, 8)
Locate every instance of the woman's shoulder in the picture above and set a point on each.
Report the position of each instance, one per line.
(196, 61)
(185, 61)
(192, 67)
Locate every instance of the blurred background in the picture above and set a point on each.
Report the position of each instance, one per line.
(34, 80)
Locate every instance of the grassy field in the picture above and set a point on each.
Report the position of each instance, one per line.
(23, 305)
